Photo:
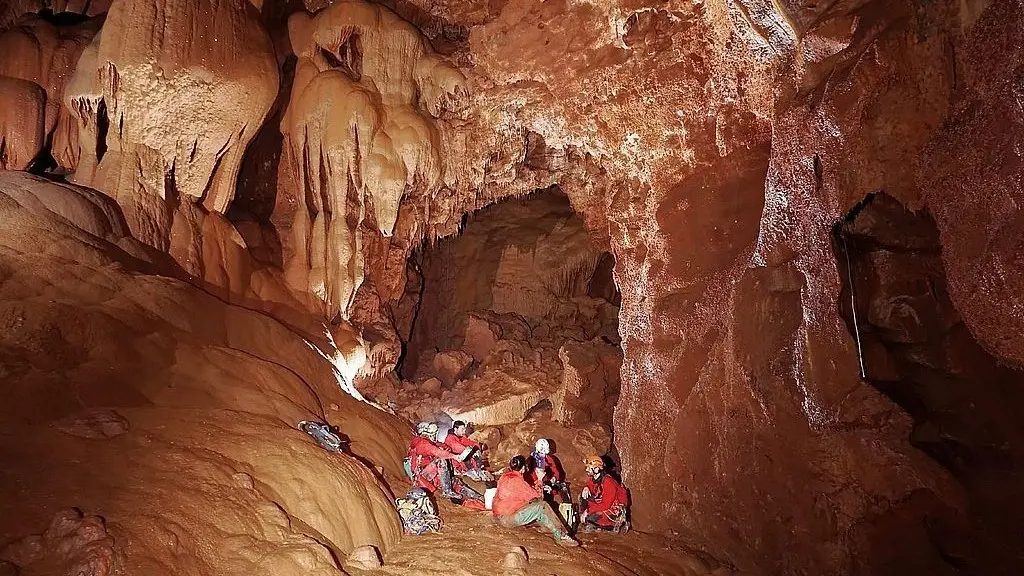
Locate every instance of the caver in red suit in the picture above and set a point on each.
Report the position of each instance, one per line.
(604, 502)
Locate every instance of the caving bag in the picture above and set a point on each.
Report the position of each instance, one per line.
(323, 434)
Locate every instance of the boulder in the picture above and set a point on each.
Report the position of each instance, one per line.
(430, 386)
(515, 562)
(488, 436)
(590, 383)
(72, 544)
(481, 336)
(364, 558)
(497, 397)
(95, 424)
(451, 366)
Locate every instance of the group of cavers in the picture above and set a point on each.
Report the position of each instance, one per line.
(528, 491)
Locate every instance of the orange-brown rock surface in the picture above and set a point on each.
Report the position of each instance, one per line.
(293, 157)
(48, 57)
(22, 122)
(209, 395)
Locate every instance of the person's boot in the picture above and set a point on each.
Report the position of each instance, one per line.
(566, 541)
(444, 473)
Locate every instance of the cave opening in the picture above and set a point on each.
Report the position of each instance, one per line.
(515, 328)
(917, 350)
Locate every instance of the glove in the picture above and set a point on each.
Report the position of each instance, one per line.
(585, 494)
(465, 454)
(547, 489)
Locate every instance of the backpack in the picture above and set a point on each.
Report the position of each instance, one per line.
(418, 516)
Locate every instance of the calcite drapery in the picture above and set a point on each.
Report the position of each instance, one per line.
(361, 133)
(167, 98)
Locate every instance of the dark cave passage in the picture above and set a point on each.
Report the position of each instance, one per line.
(516, 330)
(529, 262)
(916, 349)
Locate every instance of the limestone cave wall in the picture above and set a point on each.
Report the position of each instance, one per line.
(710, 146)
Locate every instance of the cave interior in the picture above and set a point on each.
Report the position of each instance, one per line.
(765, 258)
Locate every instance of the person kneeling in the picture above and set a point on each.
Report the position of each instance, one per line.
(517, 503)
(603, 501)
(473, 467)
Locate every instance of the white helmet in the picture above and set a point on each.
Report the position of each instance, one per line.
(426, 429)
(542, 447)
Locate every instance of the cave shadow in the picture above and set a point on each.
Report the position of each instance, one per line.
(256, 186)
(435, 324)
(914, 347)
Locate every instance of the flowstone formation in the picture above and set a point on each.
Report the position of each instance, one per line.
(167, 97)
(361, 134)
(37, 119)
(196, 442)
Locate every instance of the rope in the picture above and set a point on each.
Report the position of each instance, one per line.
(853, 304)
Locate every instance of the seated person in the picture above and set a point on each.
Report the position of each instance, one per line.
(457, 441)
(517, 503)
(430, 467)
(417, 512)
(603, 501)
(546, 473)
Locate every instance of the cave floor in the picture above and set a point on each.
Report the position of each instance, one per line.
(471, 544)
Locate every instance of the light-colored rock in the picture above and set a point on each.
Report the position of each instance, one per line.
(361, 132)
(96, 424)
(364, 558)
(516, 562)
(163, 124)
(431, 386)
(495, 398)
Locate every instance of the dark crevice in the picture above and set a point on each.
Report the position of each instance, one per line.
(917, 350)
(62, 18)
(102, 127)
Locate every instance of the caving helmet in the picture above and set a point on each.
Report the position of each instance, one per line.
(593, 463)
(426, 429)
(542, 447)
